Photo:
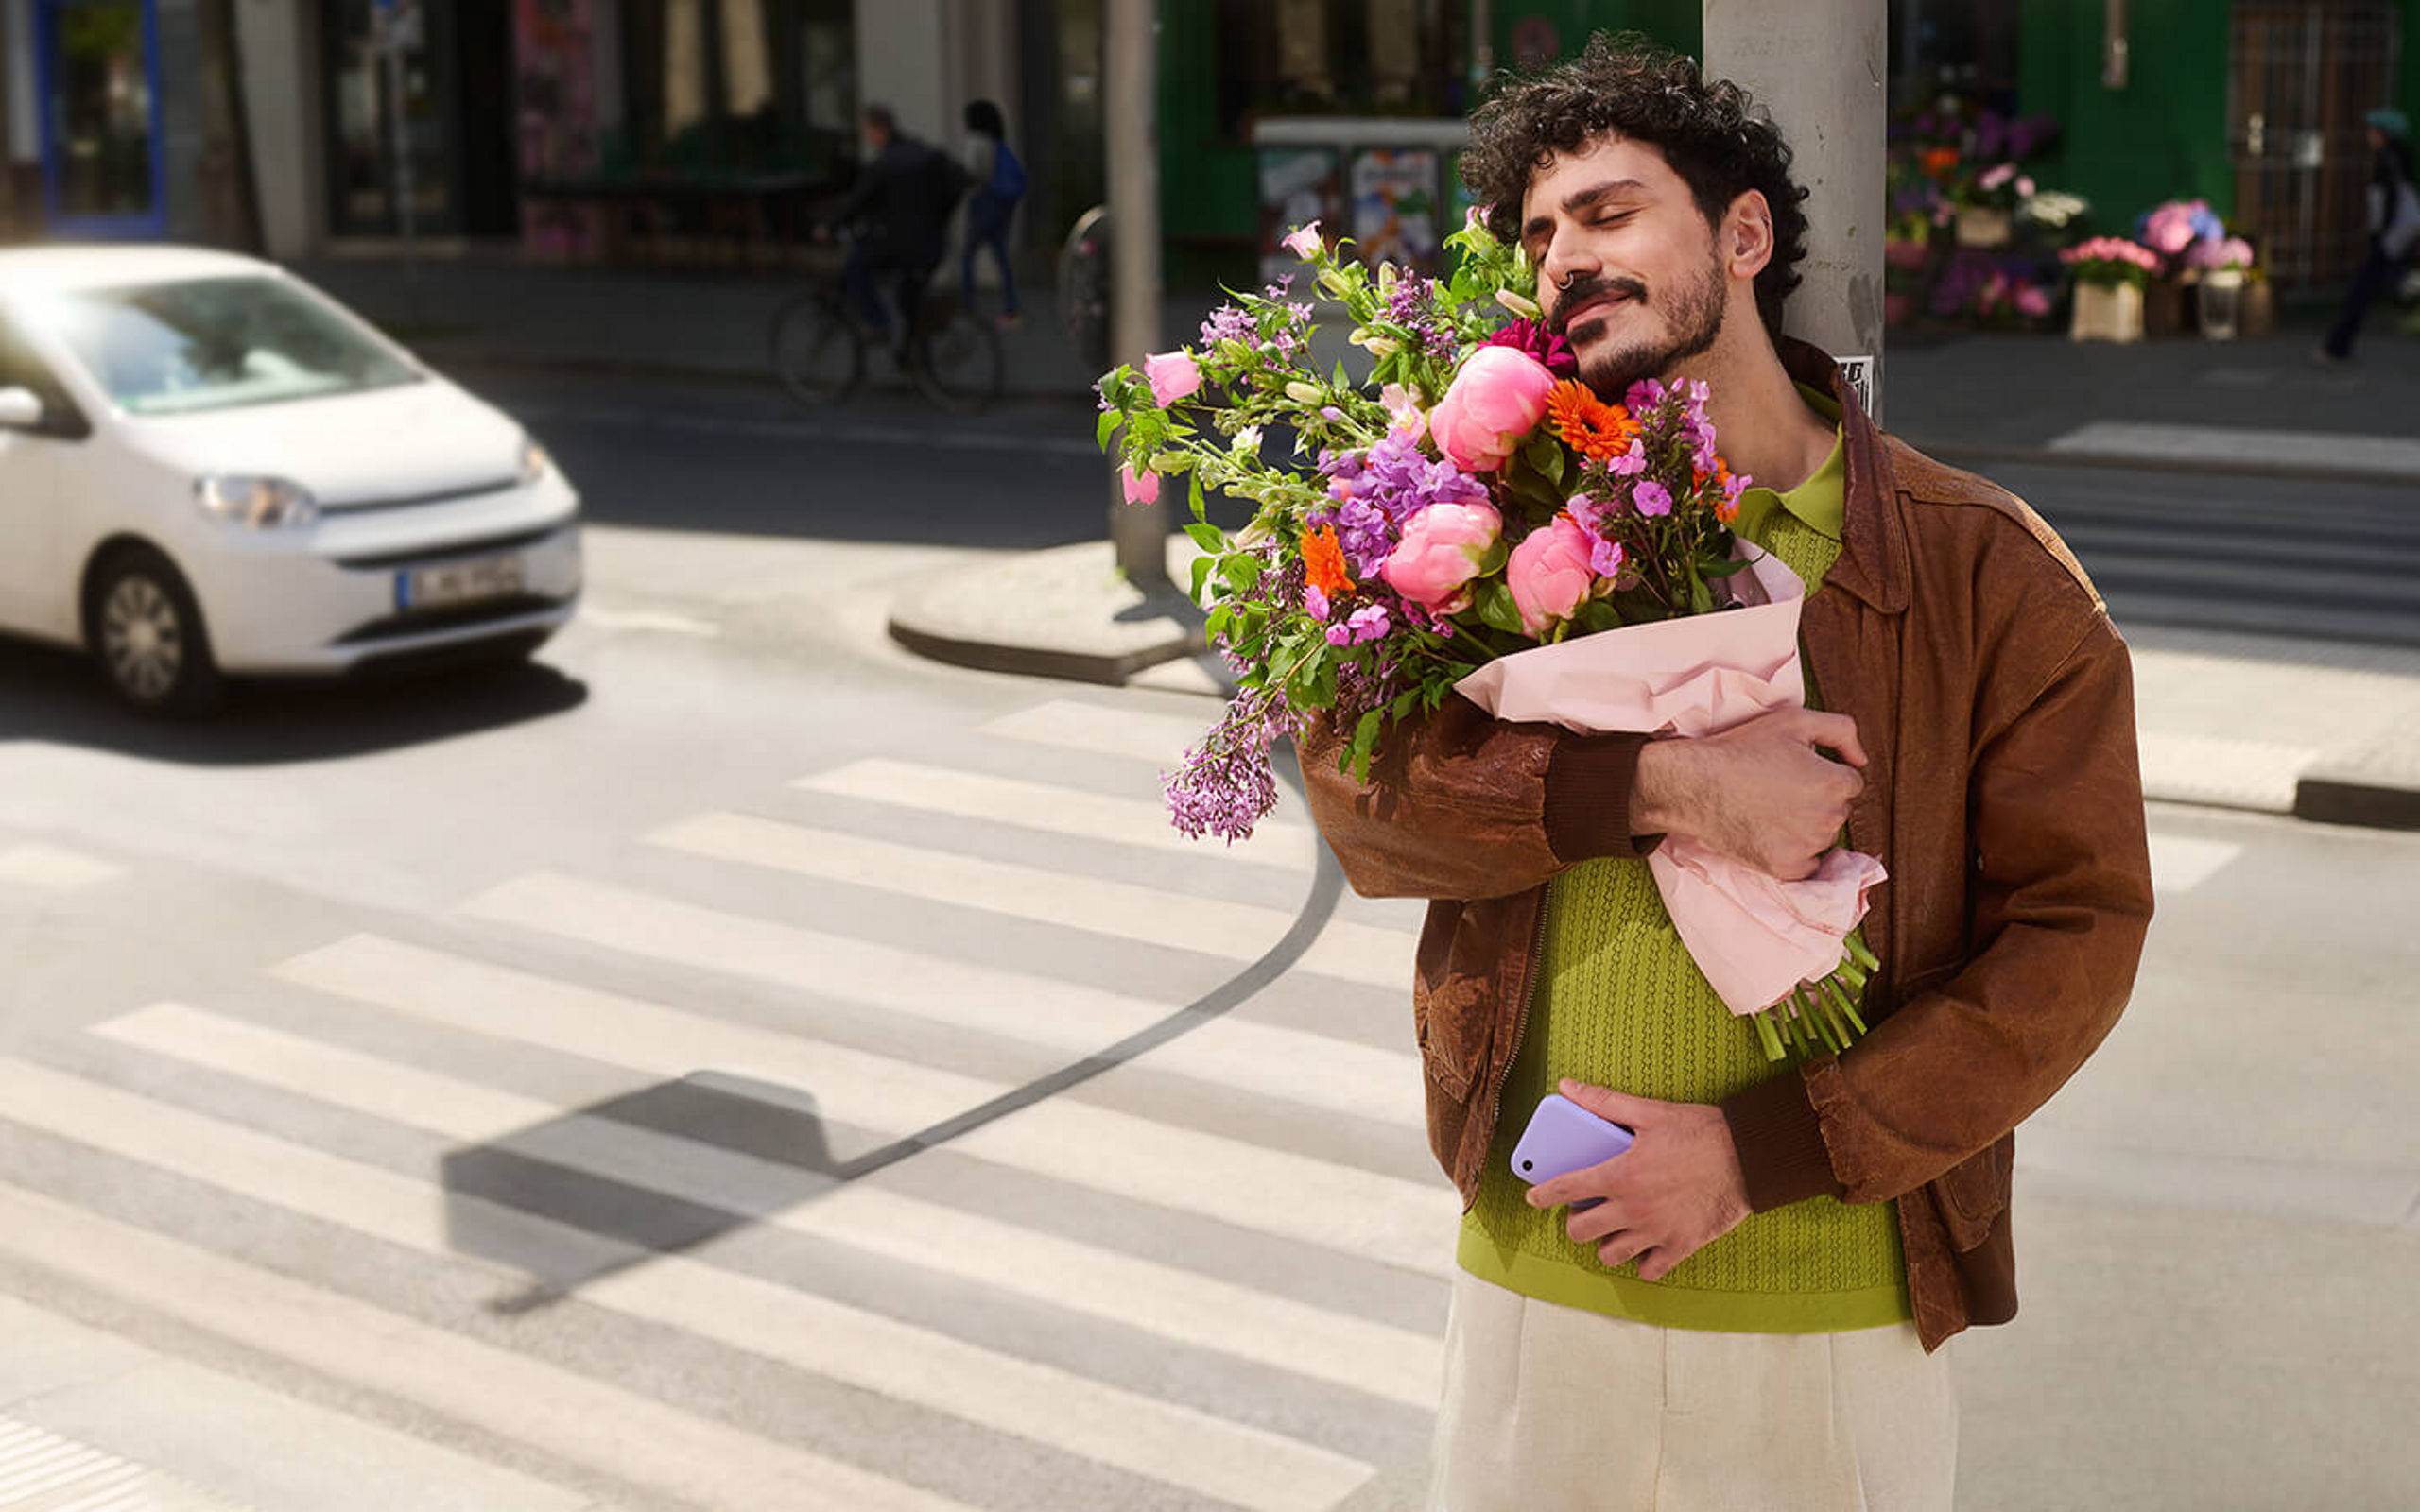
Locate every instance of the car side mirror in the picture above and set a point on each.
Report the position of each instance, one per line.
(20, 409)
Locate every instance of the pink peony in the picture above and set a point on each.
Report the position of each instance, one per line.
(1141, 487)
(1303, 242)
(1549, 575)
(1494, 401)
(1444, 548)
(1174, 375)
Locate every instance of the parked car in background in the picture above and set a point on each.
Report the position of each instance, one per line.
(210, 469)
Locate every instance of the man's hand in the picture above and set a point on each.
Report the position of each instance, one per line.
(1759, 792)
(1676, 1190)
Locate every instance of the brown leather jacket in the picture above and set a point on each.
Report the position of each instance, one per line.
(1995, 704)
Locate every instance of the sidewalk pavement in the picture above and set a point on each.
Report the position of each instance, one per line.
(2323, 731)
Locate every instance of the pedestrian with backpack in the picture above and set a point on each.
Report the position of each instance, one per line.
(999, 183)
(2394, 227)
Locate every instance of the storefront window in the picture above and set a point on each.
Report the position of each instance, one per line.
(1337, 56)
(738, 85)
(102, 126)
(361, 122)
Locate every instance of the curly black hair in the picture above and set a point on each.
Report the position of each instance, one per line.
(1707, 129)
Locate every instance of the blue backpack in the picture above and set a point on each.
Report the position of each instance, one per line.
(1008, 175)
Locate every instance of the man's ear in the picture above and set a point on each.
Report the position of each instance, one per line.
(1745, 243)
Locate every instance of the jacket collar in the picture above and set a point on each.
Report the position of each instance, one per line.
(1873, 565)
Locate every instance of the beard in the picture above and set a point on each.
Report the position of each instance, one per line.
(1695, 322)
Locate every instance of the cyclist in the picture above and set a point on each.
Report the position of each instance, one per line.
(900, 208)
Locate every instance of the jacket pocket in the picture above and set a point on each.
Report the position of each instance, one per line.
(1453, 1012)
(1971, 1197)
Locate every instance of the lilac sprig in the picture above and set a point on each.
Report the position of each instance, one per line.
(1226, 785)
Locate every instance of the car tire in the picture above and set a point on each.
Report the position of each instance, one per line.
(145, 632)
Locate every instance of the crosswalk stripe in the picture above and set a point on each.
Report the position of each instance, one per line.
(1163, 1301)
(613, 1432)
(51, 868)
(1357, 1213)
(1315, 1070)
(1052, 808)
(1173, 1445)
(2181, 863)
(1075, 724)
(1242, 931)
(45, 1472)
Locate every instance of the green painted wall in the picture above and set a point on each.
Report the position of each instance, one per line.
(1676, 23)
(2164, 136)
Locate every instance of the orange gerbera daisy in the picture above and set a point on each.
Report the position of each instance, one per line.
(1323, 560)
(1586, 424)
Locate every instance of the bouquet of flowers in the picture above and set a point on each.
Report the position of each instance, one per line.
(1471, 521)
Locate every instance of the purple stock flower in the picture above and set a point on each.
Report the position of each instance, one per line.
(1412, 304)
(1378, 489)
(1226, 785)
(1644, 395)
(1364, 625)
(1534, 338)
(1228, 323)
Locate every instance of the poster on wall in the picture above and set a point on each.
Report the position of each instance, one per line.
(1394, 205)
(1297, 185)
(556, 93)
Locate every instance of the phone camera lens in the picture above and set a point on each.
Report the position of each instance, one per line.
(1529, 1165)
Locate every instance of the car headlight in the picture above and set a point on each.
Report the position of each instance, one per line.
(260, 503)
(535, 463)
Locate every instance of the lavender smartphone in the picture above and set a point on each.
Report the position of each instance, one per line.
(1562, 1137)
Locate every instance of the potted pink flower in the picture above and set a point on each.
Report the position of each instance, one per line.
(2225, 265)
(2110, 272)
(1986, 209)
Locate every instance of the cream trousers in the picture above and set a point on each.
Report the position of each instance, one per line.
(1553, 1409)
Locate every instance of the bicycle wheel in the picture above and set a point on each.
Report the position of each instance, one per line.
(814, 350)
(958, 363)
(1083, 287)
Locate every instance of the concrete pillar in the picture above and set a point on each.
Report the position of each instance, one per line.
(280, 74)
(1822, 67)
(1131, 123)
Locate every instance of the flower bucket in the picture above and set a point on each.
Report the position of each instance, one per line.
(2259, 310)
(1982, 226)
(2107, 312)
(2166, 309)
(2219, 301)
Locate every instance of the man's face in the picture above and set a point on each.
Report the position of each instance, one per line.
(877, 138)
(1626, 265)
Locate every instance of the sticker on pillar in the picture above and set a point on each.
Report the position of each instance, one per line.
(1859, 373)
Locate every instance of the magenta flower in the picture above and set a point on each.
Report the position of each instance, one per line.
(1534, 338)
(1141, 487)
(1314, 602)
(1652, 498)
(1303, 242)
(1361, 627)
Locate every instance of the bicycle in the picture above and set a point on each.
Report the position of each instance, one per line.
(819, 351)
(1085, 286)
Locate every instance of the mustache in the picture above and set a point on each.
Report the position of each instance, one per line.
(1585, 288)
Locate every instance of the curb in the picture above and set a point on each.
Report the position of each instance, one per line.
(1108, 670)
(2351, 801)
(1963, 452)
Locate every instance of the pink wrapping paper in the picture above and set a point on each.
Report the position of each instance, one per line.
(1755, 936)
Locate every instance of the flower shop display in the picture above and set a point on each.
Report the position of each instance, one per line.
(1469, 521)
(1994, 288)
(2110, 274)
(1987, 208)
(2224, 264)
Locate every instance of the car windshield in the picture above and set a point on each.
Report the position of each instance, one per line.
(214, 343)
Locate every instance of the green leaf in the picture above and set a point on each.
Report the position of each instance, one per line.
(1493, 601)
(1240, 571)
(1201, 568)
(1365, 729)
(1700, 597)
(1208, 537)
(1544, 455)
(1200, 507)
(1110, 420)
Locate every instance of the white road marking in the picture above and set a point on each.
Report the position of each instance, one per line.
(1314, 1070)
(615, 1433)
(2322, 451)
(1239, 932)
(1135, 821)
(646, 619)
(2181, 864)
(1175, 1445)
(1357, 1213)
(51, 868)
(1074, 724)
(1163, 1301)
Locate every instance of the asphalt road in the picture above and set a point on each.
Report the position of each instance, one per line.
(643, 1080)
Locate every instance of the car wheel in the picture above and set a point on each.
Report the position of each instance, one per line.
(147, 635)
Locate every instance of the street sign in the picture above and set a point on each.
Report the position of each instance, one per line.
(1859, 372)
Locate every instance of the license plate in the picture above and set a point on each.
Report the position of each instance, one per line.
(459, 582)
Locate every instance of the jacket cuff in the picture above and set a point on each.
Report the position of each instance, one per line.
(1586, 811)
(1781, 1144)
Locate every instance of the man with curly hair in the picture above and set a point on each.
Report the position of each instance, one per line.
(1746, 1307)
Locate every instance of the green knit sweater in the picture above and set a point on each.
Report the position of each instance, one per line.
(1619, 1004)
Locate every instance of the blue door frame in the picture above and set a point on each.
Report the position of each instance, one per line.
(152, 223)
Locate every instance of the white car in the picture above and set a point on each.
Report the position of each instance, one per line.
(208, 467)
